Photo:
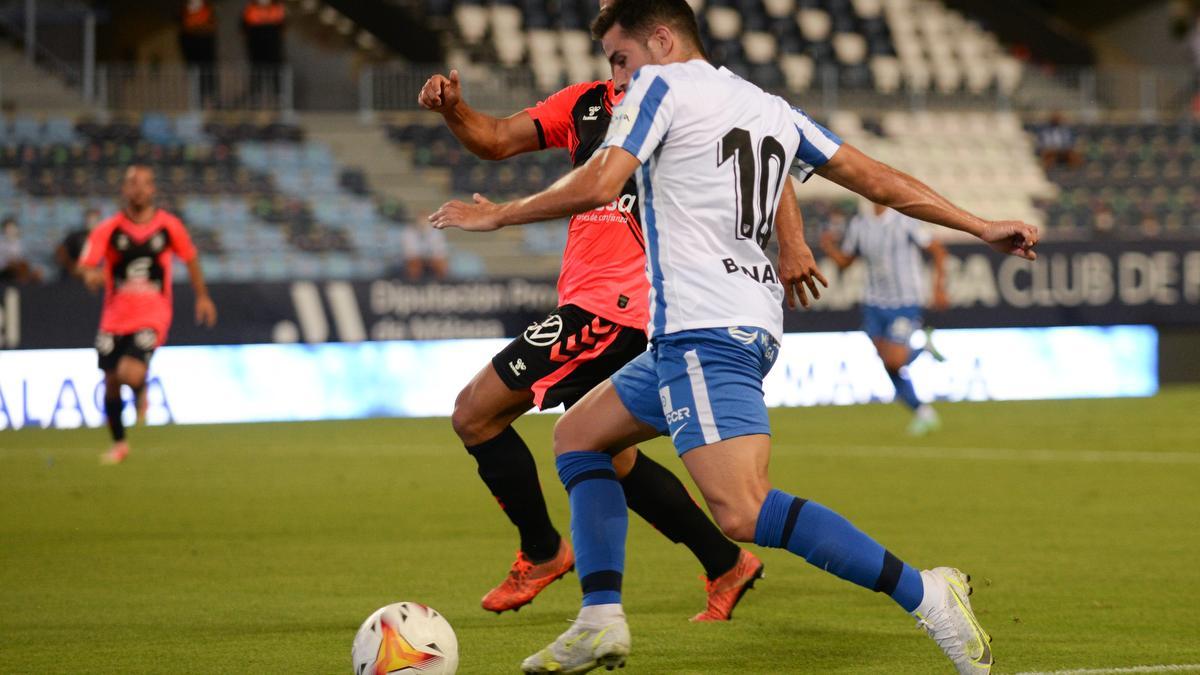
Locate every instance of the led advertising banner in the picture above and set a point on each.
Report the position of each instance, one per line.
(259, 383)
(1093, 283)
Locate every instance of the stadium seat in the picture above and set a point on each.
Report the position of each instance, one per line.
(472, 21)
(851, 48)
(815, 24)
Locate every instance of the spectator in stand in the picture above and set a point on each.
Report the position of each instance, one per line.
(1185, 20)
(14, 267)
(262, 22)
(1056, 144)
(68, 251)
(198, 41)
(424, 251)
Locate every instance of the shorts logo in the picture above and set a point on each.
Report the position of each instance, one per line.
(545, 333)
(517, 366)
(105, 343)
(902, 329)
(591, 116)
(673, 415)
(145, 339)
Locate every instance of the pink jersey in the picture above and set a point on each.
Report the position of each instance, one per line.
(604, 265)
(137, 270)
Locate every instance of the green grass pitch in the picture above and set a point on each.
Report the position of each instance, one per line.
(260, 549)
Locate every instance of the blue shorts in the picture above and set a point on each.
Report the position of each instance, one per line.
(701, 386)
(894, 324)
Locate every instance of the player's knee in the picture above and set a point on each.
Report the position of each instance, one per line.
(892, 363)
(470, 426)
(623, 461)
(737, 524)
(736, 520)
(569, 434)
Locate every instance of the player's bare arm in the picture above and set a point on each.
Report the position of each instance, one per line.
(596, 183)
(937, 253)
(831, 246)
(206, 310)
(92, 276)
(890, 187)
(485, 136)
(797, 266)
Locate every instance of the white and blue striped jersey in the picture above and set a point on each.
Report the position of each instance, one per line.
(715, 152)
(891, 245)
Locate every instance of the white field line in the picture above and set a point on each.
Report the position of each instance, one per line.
(1181, 668)
(1004, 454)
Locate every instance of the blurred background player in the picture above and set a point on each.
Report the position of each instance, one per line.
(598, 328)
(130, 256)
(891, 244)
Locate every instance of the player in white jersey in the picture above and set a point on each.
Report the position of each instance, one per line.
(891, 244)
(709, 151)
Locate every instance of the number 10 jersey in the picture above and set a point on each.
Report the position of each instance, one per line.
(715, 152)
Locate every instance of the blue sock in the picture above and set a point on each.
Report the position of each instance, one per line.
(829, 541)
(599, 520)
(904, 390)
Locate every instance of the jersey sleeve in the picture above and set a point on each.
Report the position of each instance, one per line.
(95, 245)
(920, 235)
(553, 116)
(181, 241)
(640, 123)
(818, 145)
(850, 238)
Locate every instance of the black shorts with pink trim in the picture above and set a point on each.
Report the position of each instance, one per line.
(565, 355)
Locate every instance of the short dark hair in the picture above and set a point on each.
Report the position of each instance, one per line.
(639, 17)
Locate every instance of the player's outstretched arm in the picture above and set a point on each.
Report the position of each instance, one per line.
(485, 136)
(596, 183)
(206, 310)
(885, 185)
(797, 266)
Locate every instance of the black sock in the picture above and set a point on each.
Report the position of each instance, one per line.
(656, 494)
(508, 469)
(112, 409)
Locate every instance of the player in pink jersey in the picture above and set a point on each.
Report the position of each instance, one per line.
(129, 255)
(598, 327)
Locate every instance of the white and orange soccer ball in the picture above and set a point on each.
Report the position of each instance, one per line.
(406, 638)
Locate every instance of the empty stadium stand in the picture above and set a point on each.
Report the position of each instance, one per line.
(262, 201)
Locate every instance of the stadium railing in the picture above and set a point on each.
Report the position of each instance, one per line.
(172, 87)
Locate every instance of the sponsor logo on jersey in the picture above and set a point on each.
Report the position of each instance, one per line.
(764, 274)
(622, 122)
(623, 204)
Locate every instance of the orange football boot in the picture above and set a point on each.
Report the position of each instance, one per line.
(526, 579)
(725, 591)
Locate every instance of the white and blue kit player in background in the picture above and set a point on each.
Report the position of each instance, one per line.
(896, 295)
(711, 153)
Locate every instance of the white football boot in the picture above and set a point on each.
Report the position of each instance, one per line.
(582, 648)
(946, 615)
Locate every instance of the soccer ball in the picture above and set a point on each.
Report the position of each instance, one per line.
(405, 637)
